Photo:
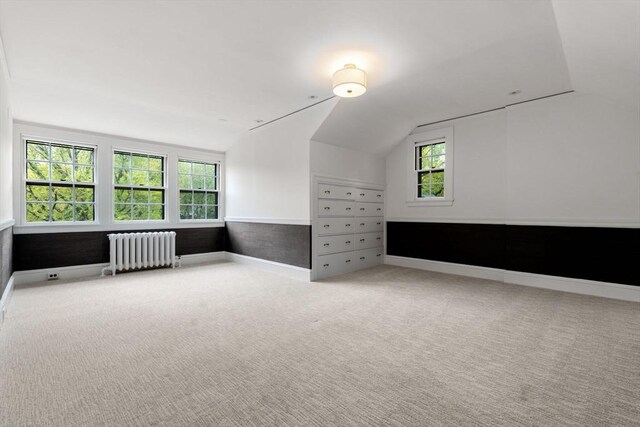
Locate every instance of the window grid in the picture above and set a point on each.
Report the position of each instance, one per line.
(139, 186)
(198, 190)
(59, 182)
(429, 166)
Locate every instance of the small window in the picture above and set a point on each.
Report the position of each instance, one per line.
(138, 186)
(59, 182)
(198, 190)
(430, 168)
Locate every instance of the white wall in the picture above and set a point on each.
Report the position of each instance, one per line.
(339, 162)
(566, 160)
(6, 131)
(268, 170)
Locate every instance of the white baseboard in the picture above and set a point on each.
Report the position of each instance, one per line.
(202, 258)
(70, 272)
(564, 284)
(299, 273)
(6, 296)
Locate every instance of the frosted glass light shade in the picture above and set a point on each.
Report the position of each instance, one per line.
(349, 82)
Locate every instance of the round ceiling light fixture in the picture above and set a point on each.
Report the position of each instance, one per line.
(349, 81)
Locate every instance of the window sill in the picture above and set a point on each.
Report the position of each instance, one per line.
(430, 202)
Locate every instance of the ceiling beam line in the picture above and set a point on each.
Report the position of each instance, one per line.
(291, 113)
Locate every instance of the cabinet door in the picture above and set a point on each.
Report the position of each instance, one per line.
(369, 209)
(335, 226)
(328, 191)
(368, 225)
(335, 208)
(368, 240)
(330, 265)
(333, 244)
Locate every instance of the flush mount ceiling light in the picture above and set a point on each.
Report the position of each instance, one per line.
(349, 81)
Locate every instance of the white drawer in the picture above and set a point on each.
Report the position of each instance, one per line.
(333, 244)
(369, 195)
(329, 265)
(335, 208)
(366, 258)
(369, 209)
(328, 191)
(367, 225)
(368, 240)
(335, 226)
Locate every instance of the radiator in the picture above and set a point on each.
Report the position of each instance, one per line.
(131, 251)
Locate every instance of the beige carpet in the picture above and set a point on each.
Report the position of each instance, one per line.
(228, 345)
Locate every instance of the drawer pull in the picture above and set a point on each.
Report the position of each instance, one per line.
(348, 209)
(378, 223)
(327, 226)
(349, 193)
(379, 209)
(348, 261)
(347, 225)
(327, 191)
(348, 242)
(378, 238)
(326, 244)
(326, 208)
(362, 224)
(378, 254)
(361, 209)
(361, 257)
(379, 195)
(361, 194)
(326, 265)
(362, 240)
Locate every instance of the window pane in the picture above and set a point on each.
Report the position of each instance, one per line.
(38, 171)
(140, 178)
(198, 169)
(37, 212)
(122, 212)
(198, 182)
(61, 153)
(122, 195)
(424, 178)
(140, 196)
(437, 149)
(198, 198)
(155, 163)
(212, 198)
(157, 212)
(84, 212)
(423, 163)
(184, 167)
(84, 194)
(61, 194)
(437, 162)
(121, 177)
(209, 183)
(437, 177)
(37, 193)
(198, 212)
(186, 197)
(185, 212)
(37, 151)
(423, 191)
(212, 212)
(62, 212)
(210, 169)
(156, 196)
(155, 179)
(437, 190)
(184, 181)
(140, 212)
(121, 160)
(84, 174)
(139, 161)
(61, 172)
(84, 156)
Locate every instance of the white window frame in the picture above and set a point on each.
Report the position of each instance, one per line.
(423, 138)
(218, 178)
(23, 182)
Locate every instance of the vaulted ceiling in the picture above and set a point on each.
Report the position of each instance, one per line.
(201, 74)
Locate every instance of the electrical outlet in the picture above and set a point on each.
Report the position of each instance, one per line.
(52, 276)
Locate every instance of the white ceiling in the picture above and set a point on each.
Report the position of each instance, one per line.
(169, 71)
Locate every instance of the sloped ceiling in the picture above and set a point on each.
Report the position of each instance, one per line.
(201, 73)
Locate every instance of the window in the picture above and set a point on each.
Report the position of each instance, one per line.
(138, 186)
(198, 188)
(59, 182)
(430, 174)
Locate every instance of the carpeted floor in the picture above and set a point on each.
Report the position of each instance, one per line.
(229, 345)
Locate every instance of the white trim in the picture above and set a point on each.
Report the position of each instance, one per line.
(6, 223)
(6, 297)
(129, 225)
(336, 180)
(264, 220)
(564, 284)
(71, 272)
(559, 222)
(467, 220)
(202, 258)
(294, 272)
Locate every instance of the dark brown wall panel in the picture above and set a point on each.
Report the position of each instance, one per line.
(591, 253)
(284, 243)
(47, 250)
(6, 257)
